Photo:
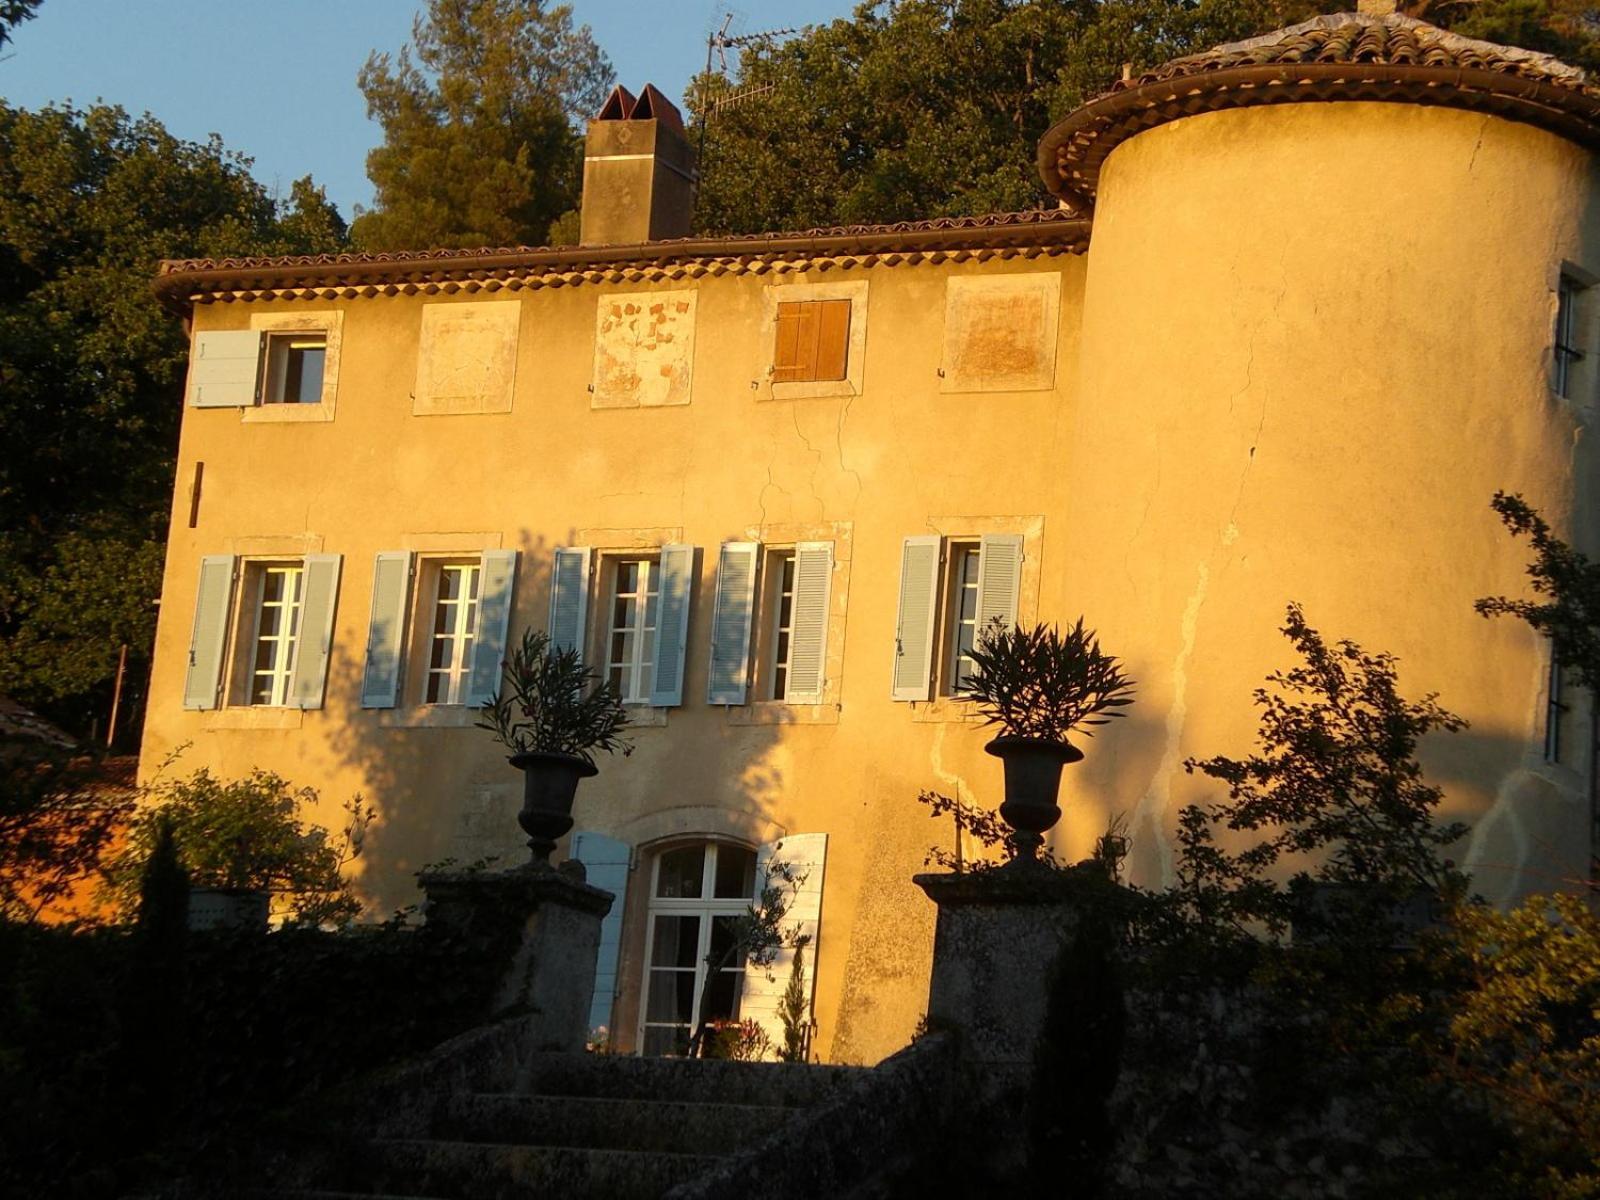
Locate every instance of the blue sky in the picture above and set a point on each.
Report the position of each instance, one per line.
(277, 79)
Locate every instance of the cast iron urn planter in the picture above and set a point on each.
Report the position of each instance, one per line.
(549, 782)
(1033, 781)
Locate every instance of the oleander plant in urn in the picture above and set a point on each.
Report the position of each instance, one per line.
(554, 715)
(1041, 686)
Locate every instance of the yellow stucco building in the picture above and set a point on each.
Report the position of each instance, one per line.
(1315, 298)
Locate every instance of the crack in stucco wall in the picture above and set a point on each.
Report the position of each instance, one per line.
(1149, 816)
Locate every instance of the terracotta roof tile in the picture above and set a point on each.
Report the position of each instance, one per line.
(181, 282)
(1345, 56)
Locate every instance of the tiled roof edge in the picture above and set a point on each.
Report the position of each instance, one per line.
(182, 282)
(1344, 56)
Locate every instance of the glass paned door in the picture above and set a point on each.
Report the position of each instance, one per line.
(699, 894)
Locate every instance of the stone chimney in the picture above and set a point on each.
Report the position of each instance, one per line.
(638, 171)
(1376, 8)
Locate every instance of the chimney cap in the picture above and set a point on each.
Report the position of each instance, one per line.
(618, 106)
(649, 105)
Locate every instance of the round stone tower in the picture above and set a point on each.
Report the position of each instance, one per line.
(1338, 282)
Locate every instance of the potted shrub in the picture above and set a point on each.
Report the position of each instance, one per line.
(553, 714)
(239, 841)
(1040, 686)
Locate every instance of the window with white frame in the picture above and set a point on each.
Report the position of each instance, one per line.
(263, 632)
(952, 591)
(780, 606)
(778, 599)
(961, 617)
(453, 629)
(698, 895)
(634, 596)
(275, 592)
(294, 368)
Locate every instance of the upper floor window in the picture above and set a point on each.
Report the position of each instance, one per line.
(284, 368)
(773, 609)
(263, 632)
(812, 342)
(455, 627)
(436, 632)
(951, 592)
(961, 607)
(639, 635)
(631, 633)
(294, 368)
(276, 588)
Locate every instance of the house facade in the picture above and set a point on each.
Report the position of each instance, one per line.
(1309, 302)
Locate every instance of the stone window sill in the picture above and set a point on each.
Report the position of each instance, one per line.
(252, 717)
(776, 712)
(288, 414)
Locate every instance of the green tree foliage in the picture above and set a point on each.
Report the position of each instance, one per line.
(14, 13)
(479, 125)
(91, 371)
(1335, 777)
(925, 108)
(1566, 585)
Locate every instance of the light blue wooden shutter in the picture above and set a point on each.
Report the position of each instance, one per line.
(806, 855)
(496, 580)
(569, 598)
(209, 639)
(919, 607)
(319, 596)
(605, 863)
(222, 372)
(999, 580)
(672, 625)
(391, 586)
(808, 645)
(730, 623)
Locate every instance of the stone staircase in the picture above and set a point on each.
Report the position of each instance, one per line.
(606, 1127)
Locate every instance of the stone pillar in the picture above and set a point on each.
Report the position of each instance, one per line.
(551, 920)
(998, 936)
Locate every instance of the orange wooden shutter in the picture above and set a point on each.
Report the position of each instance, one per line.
(833, 339)
(789, 360)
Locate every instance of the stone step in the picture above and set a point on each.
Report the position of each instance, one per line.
(603, 1123)
(622, 1077)
(489, 1171)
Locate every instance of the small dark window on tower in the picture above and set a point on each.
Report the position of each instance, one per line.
(1556, 709)
(1567, 348)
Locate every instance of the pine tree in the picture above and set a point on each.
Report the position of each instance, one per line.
(480, 123)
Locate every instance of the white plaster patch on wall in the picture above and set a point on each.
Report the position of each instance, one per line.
(1000, 333)
(1149, 817)
(643, 349)
(467, 358)
(1505, 809)
(1487, 831)
(950, 779)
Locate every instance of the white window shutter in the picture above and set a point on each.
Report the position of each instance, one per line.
(391, 586)
(209, 640)
(731, 619)
(496, 579)
(999, 580)
(223, 369)
(672, 625)
(919, 610)
(569, 598)
(605, 863)
(319, 596)
(805, 854)
(808, 653)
